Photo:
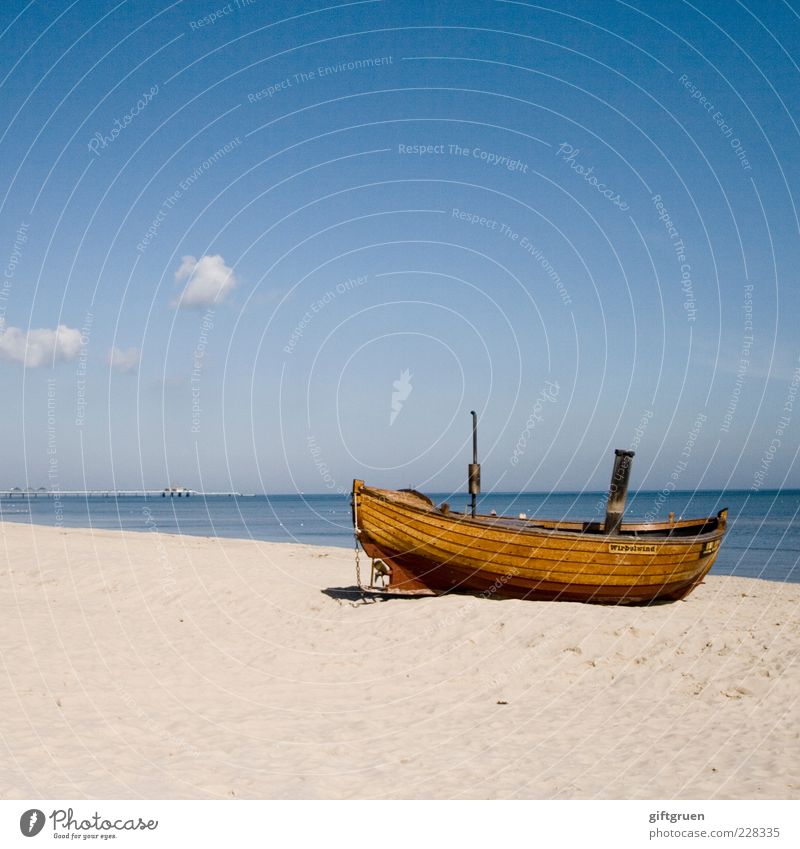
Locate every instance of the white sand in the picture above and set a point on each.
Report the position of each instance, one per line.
(149, 665)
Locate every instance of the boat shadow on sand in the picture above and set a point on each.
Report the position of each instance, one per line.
(355, 593)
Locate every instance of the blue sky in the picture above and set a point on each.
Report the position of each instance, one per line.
(316, 236)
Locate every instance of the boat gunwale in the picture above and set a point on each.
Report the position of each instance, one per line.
(484, 521)
(611, 577)
(406, 528)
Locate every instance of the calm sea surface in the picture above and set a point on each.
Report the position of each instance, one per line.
(763, 538)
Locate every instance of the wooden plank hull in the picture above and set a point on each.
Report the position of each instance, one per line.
(428, 550)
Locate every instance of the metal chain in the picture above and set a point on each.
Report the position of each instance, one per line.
(355, 540)
(358, 562)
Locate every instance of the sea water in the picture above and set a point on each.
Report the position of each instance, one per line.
(763, 538)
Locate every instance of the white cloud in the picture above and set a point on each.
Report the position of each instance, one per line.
(39, 347)
(124, 359)
(209, 281)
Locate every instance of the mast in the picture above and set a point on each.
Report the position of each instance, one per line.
(474, 471)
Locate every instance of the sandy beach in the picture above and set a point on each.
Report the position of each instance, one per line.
(162, 666)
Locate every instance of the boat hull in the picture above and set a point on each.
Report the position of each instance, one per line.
(430, 551)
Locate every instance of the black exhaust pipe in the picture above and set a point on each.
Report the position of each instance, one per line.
(618, 491)
(474, 474)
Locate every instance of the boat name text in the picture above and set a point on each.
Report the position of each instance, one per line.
(631, 548)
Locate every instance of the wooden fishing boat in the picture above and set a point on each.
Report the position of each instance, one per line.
(418, 548)
(423, 549)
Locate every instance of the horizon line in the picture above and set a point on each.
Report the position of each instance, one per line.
(187, 492)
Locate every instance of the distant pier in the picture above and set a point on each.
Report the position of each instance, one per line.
(169, 492)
